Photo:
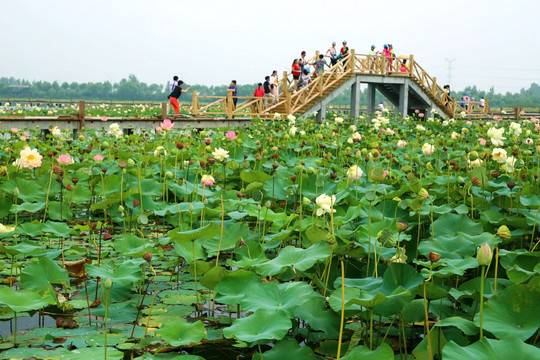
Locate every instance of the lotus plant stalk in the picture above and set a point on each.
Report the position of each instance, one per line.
(483, 256)
(108, 287)
(426, 313)
(342, 309)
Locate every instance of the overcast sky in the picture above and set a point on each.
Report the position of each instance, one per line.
(494, 43)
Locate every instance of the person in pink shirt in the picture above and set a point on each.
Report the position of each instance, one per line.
(388, 55)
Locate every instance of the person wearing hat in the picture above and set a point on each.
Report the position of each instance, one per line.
(343, 53)
(388, 56)
(373, 57)
(332, 52)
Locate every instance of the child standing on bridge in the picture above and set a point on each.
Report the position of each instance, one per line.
(175, 94)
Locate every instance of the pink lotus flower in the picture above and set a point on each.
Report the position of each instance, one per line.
(416, 111)
(14, 130)
(104, 118)
(231, 135)
(533, 119)
(23, 138)
(207, 180)
(98, 157)
(482, 141)
(26, 134)
(421, 115)
(167, 124)
(159, 129)
(522, 112)
(208, 141)
(64, 159)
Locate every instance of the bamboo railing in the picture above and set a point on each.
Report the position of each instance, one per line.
(292, 101)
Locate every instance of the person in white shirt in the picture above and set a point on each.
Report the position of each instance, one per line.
(373, 57)
(173, 84)
(332, 52)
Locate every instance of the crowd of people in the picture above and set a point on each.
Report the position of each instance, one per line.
(302, 73)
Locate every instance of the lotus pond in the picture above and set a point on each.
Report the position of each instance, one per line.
(391, 239)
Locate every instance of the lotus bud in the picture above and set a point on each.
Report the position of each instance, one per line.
(310, 170)
(191, 208)
(268, 203)
(16, 191)
(473, 155)
(120, 208)
(434, 256)
(299, 169)
(3, 170)
(504, 233)
(169, 174)
(423, 194)
(130, 162)
(108, 284)
(484, 255)
(429, 166)
(148, 257)
(306, 201)
(475, 181)
(402, 226)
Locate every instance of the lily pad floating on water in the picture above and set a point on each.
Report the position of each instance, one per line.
(263, 325)
(489, 349)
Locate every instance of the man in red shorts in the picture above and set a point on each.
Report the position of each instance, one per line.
(175, 94)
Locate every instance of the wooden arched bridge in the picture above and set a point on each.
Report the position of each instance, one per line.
(407, 90)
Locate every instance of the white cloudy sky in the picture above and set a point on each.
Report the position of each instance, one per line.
(495, 42)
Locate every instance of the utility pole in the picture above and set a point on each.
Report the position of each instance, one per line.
(450, 69)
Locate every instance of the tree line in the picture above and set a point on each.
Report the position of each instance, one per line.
(131, 89)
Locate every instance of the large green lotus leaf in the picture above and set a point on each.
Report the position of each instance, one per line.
(231, 236)
(319, 318)
(402, 275)
(21, 353)
(81, 194)
(249, 255)
(25, 248)
(211, 278)
(99, 339)
(40, 275)
(30, 228)
(288, 349)
(351, 293)
(185, 251)
(132, 245)
(513, 312)
(523, 267)
(150, 187)
(262, 325)
(465, 325)
(60, 229)
(232, 288)
(456, 237)
(124, 274)
(94, 353)
(273, 296)
(24, 300)
(489, 349)
(167, 210)
(180, 332)
(254, 176)
(29, 207)
(205, 232)
(55, 213)
(297, 258)
(454, 266)
(29, 190)
(530, 201)
(471, 288)
(384, 352)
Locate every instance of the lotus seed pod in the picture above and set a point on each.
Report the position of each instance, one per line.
(473, 155)
(310, 170)
(148, 257)
(484, 255)
(108, 284)
(504, 232)
(169, 174)
(130, 162)
(386, 238)
(299, 169)
(429, 166)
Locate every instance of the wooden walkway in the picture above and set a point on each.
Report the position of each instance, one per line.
(298, 102)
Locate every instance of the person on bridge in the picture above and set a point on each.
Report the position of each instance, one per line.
(175, 94)
(373, 57)
(234, 90)
(259, 94)
(274, 81)
(343, 54)
(302, 61)
(319, 65)
(173, 84)
(403, 67)
(388, 56)
(332, 52)
(296, 73)
(267, 86)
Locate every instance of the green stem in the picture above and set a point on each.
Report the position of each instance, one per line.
(482, 302)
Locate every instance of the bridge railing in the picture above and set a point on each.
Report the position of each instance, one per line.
(291, 100)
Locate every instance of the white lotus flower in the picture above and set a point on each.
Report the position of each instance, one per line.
(220, 154)
(325, 204)
(499, 155)
(427, 149)
(354, 173)
(496, 136)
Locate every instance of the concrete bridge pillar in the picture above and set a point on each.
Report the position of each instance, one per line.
(370, 100)
(321, 114)
(355, 99)
(403, 99)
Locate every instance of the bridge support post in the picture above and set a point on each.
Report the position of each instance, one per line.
(321, 114)
(370, 100)
(403, 99)
(355, 100)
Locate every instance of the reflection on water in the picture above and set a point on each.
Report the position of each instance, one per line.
(25, 323)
